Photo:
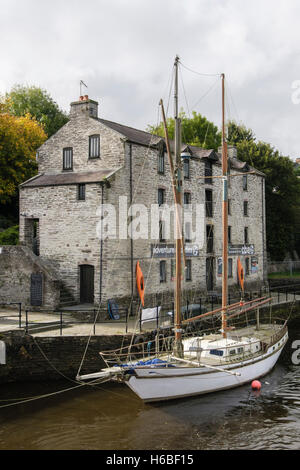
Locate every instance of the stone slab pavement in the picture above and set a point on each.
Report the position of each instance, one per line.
(48, 324)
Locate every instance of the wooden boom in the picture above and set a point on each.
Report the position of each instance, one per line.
(228, 308)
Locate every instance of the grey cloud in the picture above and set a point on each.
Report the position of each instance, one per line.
(124, 51)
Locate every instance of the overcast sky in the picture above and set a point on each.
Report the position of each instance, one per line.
(124, 51)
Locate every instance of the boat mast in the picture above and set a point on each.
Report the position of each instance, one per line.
(178, 349)
(224, 215)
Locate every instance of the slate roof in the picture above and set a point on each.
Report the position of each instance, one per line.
(134, 135)
(146, 138)
(68, 178)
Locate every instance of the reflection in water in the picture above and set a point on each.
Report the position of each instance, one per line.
(112, 417)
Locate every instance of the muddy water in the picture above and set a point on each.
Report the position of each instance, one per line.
(110, 417)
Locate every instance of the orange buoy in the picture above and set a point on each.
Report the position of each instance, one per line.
(256, 385)
(140, 282)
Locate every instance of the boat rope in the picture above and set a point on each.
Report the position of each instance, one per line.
(207, 92)
(38, 397)
(199, 73)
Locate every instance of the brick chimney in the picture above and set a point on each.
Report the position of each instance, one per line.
(232, 151)
(84, 107)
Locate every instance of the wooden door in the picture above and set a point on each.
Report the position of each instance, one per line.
(87, 284)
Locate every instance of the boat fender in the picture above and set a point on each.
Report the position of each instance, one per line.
(256, 385)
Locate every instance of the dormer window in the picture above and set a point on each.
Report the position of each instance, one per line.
(68, 158)
(94, 146)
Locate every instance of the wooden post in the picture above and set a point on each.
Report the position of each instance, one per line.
(177, 189)
(20, 315)
(257, 319)
(224, 215)
(178, 350)
(26, 321)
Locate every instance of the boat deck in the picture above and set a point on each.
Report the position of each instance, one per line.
(264, 335)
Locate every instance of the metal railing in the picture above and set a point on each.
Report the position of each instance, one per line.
(163, 317)
(66, 320)
(144, 350)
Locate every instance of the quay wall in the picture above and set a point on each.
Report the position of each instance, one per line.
(40, 358)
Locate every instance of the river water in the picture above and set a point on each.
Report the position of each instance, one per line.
(111, 417)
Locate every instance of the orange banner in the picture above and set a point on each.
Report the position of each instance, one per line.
(140, 282)
(240, 273)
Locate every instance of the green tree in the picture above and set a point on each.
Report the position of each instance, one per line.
(196, 130)
(282, 188)
(23, 100)
(19, 139)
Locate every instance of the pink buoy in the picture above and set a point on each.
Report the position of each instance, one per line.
(256, 385)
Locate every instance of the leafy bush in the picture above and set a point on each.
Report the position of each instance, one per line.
(10, 236)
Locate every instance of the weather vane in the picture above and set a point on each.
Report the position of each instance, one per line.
(82, 83)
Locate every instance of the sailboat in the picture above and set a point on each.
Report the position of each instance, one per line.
(188, 364)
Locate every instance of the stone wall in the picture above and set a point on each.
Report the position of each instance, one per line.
(76, 134)
(67, 227)
(17, 263)
(51, 358)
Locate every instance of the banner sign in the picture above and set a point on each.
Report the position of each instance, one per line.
(164, 250)
(241, 250)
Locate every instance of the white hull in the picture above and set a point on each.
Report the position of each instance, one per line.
(160, 384)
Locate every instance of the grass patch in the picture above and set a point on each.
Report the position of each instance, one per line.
(284, 275)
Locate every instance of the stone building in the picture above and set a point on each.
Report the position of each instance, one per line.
(92, 161)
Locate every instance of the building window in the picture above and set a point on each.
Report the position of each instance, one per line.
(187, 232)
(188, 271)
(209, 238)
(68, 158)
(246, 208)
(229, 267)
(81, 192)
(208, 203)
(229, 206)
(161, 231)
(247, 266)
(161, 162)
(229, 234)
(245, 183)
(161, 196)
(187, 198)
(186, 168)
(208, 172)
(162, 271)
(246, 235)
(94, 146)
